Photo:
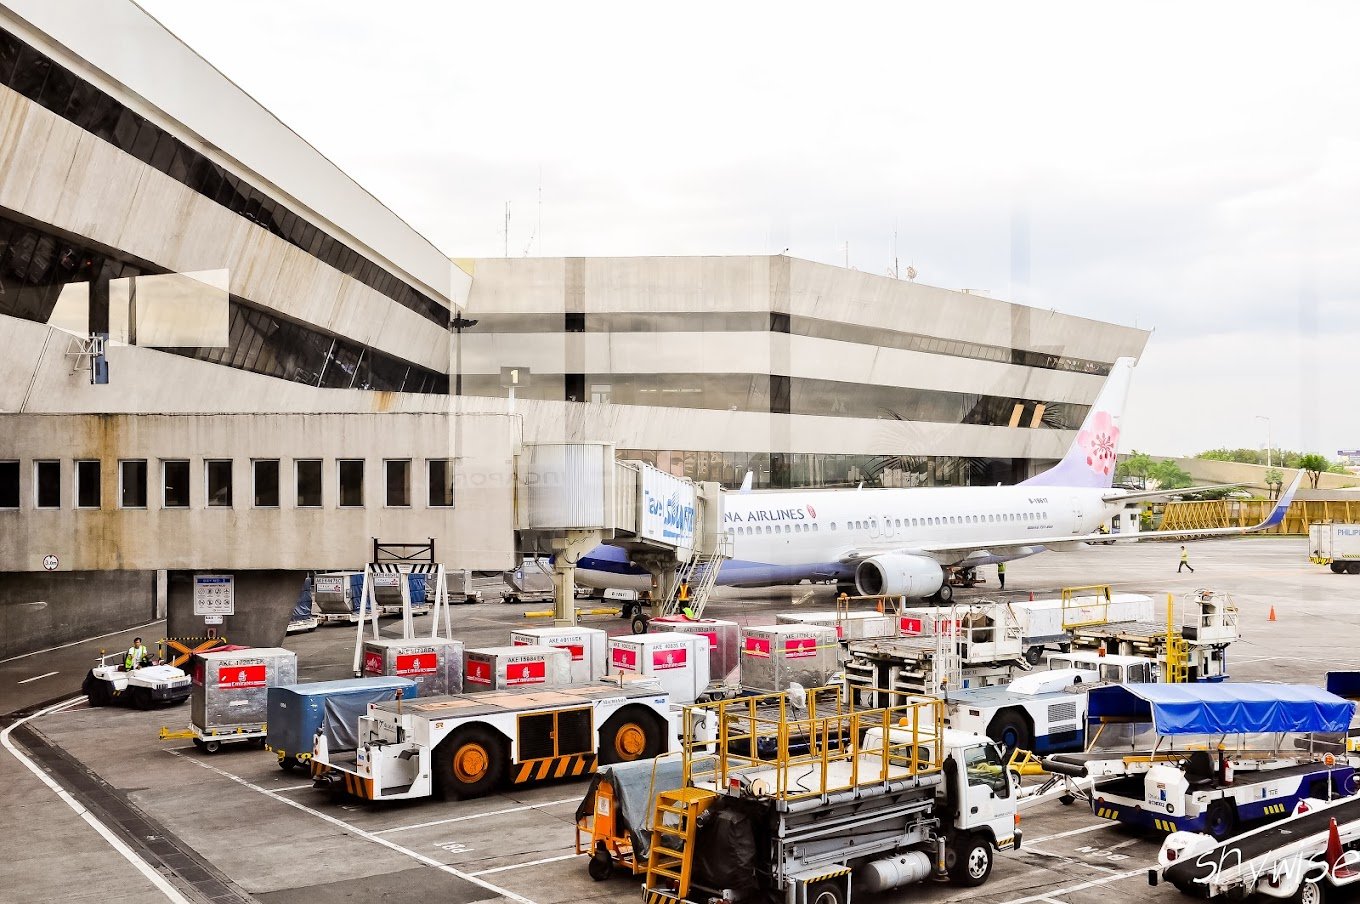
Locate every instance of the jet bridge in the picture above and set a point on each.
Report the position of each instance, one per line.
(572, 497)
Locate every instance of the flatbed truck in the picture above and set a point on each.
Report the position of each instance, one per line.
(468, 745)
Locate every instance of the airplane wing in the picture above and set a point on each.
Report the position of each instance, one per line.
(1156, 494)
(953, 553)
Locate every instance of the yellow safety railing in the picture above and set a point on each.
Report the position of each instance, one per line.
(1095, 597)
(757, 738)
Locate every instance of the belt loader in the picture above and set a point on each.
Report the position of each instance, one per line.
(467, 745)
(879, 798)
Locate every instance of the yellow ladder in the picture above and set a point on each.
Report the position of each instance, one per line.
(674, 824)
(1177, 659)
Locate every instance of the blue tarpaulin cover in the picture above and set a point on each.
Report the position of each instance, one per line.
(1224, 708)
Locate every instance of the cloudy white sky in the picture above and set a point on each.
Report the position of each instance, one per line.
(1193, 169)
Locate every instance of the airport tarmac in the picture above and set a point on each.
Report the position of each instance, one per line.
(234, 827)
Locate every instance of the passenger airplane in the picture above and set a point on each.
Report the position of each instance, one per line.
(905, 542)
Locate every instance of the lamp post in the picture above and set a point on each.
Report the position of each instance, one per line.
(459, 323)
(1270, 442)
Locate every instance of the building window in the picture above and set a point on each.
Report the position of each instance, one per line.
(398, 474)
(88, 485)
(132, 483)
(351, 482)
(218, 474)
(175, 480)
(47, 484)
(9, 484)
(441, 482)
(266, 482)
(309, 483)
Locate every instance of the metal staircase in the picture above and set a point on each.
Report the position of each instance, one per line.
(670, 861)
(695, 581)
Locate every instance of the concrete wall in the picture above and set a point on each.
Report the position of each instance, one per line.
(264, 601)
(43, 610)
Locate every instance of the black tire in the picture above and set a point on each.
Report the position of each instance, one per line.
(141, 697)
(601, 865)
(96, 691)
(1221, 820)
(470, 763)
(211, 745)
(1067, 800)
(945, 594)
(289, 763)
(1309, 893)
(1034, 655)
(632, 733)
(1338, 567)
(968, 857)
(1353, 568)
(826, 892)
(1191, 889)
(1011, 731)
(640, 622)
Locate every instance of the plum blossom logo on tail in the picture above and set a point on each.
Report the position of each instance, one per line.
(1100, 443)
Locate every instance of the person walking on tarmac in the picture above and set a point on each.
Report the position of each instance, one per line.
(1001, 575)
(137, 656)
(1185, 560)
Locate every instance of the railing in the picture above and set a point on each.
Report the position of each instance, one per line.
(814, 750)
(1097, 598)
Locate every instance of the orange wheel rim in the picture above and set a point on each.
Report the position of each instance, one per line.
(630, 741)
(470, 763)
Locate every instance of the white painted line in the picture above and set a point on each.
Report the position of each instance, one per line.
(440, 822)
(295, 787)
(36, 677)
(171, 893)
(362, 833)
(1099, 825)
(1117, 877)
(1074, 860)
(501, 869)
(62, 646)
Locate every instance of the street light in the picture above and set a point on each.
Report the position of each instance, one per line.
(459, 323)
(1270, 442)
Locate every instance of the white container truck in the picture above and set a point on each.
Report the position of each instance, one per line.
(1336, 545)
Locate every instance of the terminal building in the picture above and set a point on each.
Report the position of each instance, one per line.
(220, 355)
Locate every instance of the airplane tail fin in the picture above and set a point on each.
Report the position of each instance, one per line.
(1091, 459)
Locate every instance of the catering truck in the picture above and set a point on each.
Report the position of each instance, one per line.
(1335, 545)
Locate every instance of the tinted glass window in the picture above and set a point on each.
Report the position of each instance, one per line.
(9, 484)
(219, 482)
(309, 483)
(266, 482)
(351, 482)
(176, 475)
(132, 484)
(441, 481)
(398, 482)
(47, 484)
(88, 484)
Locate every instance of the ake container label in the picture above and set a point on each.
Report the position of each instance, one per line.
(241, 676)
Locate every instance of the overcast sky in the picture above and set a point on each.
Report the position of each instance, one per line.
(1193, 169)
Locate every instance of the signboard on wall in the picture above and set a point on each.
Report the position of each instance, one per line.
(668, 507)
(214, 594)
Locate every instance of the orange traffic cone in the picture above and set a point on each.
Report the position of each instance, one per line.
(1336, 860)
(1271, 617)
(1031, 596)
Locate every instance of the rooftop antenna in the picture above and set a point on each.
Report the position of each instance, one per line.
(894, 252)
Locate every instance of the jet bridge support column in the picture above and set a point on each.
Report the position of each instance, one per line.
(566, 553)
(664, 569)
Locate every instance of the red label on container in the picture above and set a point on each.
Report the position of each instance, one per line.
(478, 671)
(416, 664)
(800, 647)
(669, 659)
(373, 662)
(624, 658)
(578, 652)
(911, 625)
(758, 645)
(712, 638)
(241, 676)
(519, 642)
(535, 671)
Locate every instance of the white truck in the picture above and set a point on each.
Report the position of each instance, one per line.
(1044, 711)
(1335, 545)
(467, 745)
(144, 685)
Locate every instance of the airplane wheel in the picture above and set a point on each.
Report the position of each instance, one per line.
(945, 594)
(640, 623)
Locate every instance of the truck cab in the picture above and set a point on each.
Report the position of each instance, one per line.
(1107, 669)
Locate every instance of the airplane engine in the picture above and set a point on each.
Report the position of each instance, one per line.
(893, 574)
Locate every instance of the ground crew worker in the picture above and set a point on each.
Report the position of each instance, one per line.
(1001, 575)
(136, 654)
(1185, 560)
(684, 591)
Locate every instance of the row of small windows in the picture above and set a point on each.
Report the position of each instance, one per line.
(873, 523)
(266, 485)
(37, 77)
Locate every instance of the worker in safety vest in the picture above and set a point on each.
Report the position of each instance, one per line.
(137, 655)
(1185, 560)
(1001, 575)
(684, 591)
